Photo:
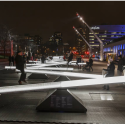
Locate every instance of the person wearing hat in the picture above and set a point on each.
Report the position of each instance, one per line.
(20, 65)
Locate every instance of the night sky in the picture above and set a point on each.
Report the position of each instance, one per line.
(46, 17)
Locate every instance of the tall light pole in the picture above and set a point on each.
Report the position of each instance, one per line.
(101, 43)
(90, 51)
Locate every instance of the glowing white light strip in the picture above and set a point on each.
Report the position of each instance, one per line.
(10, 67)
(80, 75)
(77, 64)
(69, 69)
(72, 61)
(13, 67)
(98, 81)
(21, 88)
(33, 61)
(63, 84)
(42, 65)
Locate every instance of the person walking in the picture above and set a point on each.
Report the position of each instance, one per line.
(20, 65)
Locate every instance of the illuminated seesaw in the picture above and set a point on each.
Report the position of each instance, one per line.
(77, 64)
(42, 68)
(71, 74)
(47, 64)
(62, 84)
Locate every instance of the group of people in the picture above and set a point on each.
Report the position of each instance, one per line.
(21, 60)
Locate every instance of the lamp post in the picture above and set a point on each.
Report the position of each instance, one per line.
(101, 43)
(90, 50)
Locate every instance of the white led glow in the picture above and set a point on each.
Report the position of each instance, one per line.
(45, 68)
(62, 69)
(63, 84)
(71, 74)
(10, 67)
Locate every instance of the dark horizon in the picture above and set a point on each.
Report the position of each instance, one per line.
(46, 17)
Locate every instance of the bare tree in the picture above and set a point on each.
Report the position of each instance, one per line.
(5, 37)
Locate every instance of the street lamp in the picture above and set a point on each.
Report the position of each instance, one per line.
(101, 43)
(84, 40)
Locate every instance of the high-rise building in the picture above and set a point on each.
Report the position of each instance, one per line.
(58, 38)
(80, 43)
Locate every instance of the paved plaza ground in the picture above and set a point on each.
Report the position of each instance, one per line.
(103, 106)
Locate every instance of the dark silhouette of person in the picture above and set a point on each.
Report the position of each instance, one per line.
(12, 59)
(42, 58)
(20, 65)
(110, 72)
(79, 61)
(25, 60)
(90, 64)
(71, 56)
(120, 65)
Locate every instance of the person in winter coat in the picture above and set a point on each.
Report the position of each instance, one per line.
(120, 65)
(110, 72)
(20, 65)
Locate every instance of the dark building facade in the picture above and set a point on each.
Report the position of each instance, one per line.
(81, 45)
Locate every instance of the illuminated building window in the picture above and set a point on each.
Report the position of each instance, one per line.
(90, 33)
(119, 32)
(91, 42)
(102, 39)
(96, 33)
(104, 36)
(112, 35)
(91, 39)
(113, 32)
(91, 36)
(94, 45)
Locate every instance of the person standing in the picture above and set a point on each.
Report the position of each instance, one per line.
(12, 59)
(20, 65)
(78, 61)
(42, 58)
(90, 63)
(120, 66)
(24, 57)
(71, 56)
(110, 72)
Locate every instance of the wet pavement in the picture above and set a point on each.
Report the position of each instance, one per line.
(103, 106)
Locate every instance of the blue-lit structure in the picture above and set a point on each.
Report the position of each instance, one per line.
(106, 33)
(116, 48)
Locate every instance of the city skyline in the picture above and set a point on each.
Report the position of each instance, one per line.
(46, 17)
